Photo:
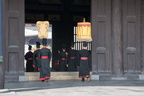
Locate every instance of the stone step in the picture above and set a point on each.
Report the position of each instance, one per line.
(33, 76)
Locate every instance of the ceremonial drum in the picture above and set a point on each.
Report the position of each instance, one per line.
(42, 29)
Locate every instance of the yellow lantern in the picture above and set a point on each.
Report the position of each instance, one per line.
(42, 28)
(84, 31)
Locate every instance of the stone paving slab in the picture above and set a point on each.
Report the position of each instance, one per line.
(74, 88)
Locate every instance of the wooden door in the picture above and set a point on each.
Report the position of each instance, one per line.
(13, 15)
(101, 32)
(131, 36)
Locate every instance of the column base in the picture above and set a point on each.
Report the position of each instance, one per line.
(94, 77)
(119, 78)
(141, 77)
(23, 78)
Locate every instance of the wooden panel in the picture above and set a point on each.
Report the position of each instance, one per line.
(13, 62)
(14, 37)
(131, 62)
(101, 33)
(13, 5)
(131, 36)
(101, 30)
(101, 61)
(14, 33)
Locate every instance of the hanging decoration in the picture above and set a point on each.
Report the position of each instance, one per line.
(84, 31)
(42, 28)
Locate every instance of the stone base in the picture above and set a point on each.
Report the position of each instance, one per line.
(11, 77)
(95, 77)
(141, 77)
(23, 78)
(119, 78)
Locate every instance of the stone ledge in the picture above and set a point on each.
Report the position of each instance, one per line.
(34, 76)
(4, 90)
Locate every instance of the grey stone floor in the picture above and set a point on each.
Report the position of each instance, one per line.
(74, 88)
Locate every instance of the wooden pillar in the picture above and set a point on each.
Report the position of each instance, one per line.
(117, 37)
(1, 56)
(142, 23)
(142, 30)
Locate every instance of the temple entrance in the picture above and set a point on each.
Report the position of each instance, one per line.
(63, 17)
(61, 14)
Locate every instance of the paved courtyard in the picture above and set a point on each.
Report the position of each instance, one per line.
(74, 88)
